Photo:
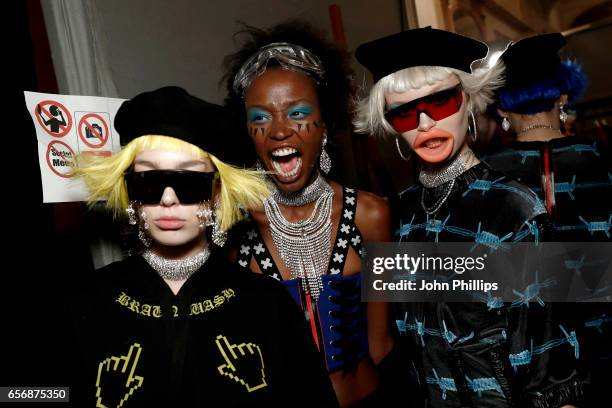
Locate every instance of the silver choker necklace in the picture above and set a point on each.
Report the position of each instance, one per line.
(305, 246)
(299, 198)
(176, 269)
(437, 177)
(448, 174)
(538, 126)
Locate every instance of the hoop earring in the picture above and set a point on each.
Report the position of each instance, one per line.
(474, 131)
(405, 158)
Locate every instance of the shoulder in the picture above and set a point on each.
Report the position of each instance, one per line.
(373, 217)
(592, 155)
(515, 195)
(511, 159)
(371, 206)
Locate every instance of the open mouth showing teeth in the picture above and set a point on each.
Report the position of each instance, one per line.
(286, 161)
(433, 143)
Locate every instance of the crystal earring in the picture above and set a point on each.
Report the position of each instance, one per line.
(219, 237)
(143, 218)
(324, 160)
(131, 212)
(143, 227)
(505, 124)
(205, 215)
(562, 113)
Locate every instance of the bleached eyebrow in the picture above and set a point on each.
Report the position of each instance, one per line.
(181, 165)
(146, 163)
(192, 163)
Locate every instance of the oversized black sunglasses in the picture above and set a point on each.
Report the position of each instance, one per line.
(191, 187)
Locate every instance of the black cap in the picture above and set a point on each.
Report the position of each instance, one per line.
(532, 60)
(419, 47)
(171, 111)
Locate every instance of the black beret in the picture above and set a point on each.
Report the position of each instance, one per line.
(419, 47)
(532, 60)
(171, 111)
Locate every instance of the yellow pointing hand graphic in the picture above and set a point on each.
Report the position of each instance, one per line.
(243, 363)
(117, 380)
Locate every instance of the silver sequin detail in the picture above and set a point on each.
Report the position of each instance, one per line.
(176, 269)
(305, 196)
(289, 56)
(458, 165)
(305, 246)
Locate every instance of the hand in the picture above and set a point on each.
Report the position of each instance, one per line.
(38, 109)
(243, 363)
(116, 380)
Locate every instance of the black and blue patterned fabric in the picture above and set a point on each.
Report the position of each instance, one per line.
(574, 177)
(485, 354)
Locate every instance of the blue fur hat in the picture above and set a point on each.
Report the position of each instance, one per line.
(536, 77)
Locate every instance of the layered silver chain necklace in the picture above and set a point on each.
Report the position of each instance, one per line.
(446, 175)
(304, 246)
(175, 269)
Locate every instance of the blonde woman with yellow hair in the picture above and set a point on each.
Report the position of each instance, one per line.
(179, 325)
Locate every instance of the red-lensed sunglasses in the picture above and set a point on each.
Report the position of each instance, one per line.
(437, 106)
